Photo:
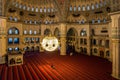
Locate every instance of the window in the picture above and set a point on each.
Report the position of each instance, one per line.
(97, 5)
(25, 32)
(36, 10)
(83, 8)
(10, 18)
(88, 7)
(10, 49)
(20, 6)
(35, 32)
(10, 40)
(99, 21)
(41, 9)
(93, 7)
(101, 4)
(52, 10)
(16, 49)
(83, 32)
(35, 22)
(16, 31)
(10, 31)
(82, 21)
(16, 5)
(79, 8)
(16, 40)
(15, 19)
(48, 9)
(28, 8)
(104, 20)
(32, 9)
(24, 7)
(44, 10)
(71, 8)
(30, 22)
(93, 21)
(30, 32)
(74, 8)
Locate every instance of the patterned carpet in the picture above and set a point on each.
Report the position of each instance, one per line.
(51, 66)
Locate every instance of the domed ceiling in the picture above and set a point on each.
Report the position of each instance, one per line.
(57, 10)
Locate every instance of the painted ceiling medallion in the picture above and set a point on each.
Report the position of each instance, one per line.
(50, 43)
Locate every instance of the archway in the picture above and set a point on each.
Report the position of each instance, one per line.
(71, 40)
(57, 33)
(47, 32)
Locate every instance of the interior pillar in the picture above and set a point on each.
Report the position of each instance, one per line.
(115, 41)
(63, 39)
(3, 50)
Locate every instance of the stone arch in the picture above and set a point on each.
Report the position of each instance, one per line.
(47, 32)
(57, 32)
(13, 30)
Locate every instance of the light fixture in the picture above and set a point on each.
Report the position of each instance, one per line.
(50, 43)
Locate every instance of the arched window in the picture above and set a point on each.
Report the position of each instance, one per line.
(16, 40)
(48, 10)
(93, 21)
(88, 7)
(93, 7)
(44, 10)
(36, 10)
(30, 22)
(10, 40)
(83, 8)
(41, 9)
(104, 20)
(52, 10)
(35, 22)
(97, 5)
(74, 8)
(25, 31)
(10, 18)
(15, 19)
(79, 8)
(99, 20)
(46, 22)
(32, 9)
(28, 8)
(30, 32)
(10, 31)
(35, 32)
(70, 7)
(82, 21)
(83, 32)
(16, 5)
(20, 6)
(24, 7)
(16, 31)
(101, 4)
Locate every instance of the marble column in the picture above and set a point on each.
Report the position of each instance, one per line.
(63, 39)
(115, 41)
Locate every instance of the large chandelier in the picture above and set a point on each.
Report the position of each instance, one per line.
(50, 43)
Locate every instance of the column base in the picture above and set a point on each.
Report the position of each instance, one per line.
(117, 77)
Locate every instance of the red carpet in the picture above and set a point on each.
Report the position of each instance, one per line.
(50, 66)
